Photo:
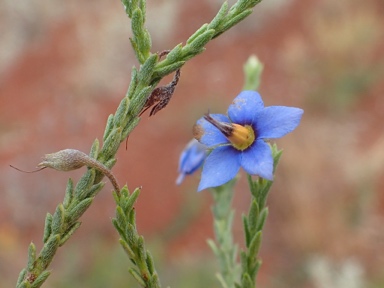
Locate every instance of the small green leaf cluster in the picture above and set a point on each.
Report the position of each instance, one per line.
(224, 249)
(253, 225)
(133, 243)
(58, 228)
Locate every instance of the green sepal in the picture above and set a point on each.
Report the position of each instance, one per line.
(220, 16)
(75, 213)
(199, 42)
(40, 279)
(255, 245)
(199, 31)
(21, 277)
(92, 192)
(70, 232)
(85, 183)
(127, 249)
(58, 220)
(133, 84)
(137, 276)
(49, 250)
(111, 144)
(262, 218)
(253, 216)
(47, 227)
(31, 256)
(146, 70)
(143, 7)
(68, 193)
(121, 113)
(108, 127)
(163, 71)
(94, 149)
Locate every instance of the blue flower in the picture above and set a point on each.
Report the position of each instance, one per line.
(191, 159)
(237, 140)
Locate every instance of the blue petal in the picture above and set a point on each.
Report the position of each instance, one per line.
(220, 166)
(245, 107)
(257, 160)
(208, 134)
(191, 159)
(276, 121)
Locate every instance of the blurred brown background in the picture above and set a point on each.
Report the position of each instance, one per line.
(64, 67)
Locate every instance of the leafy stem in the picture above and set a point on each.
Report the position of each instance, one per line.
(60, 226)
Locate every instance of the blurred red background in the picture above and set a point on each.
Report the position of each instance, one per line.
(65, 66)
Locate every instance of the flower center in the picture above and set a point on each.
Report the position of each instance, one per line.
(241, 137)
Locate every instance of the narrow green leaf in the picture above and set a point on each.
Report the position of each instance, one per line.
(253, 216)
(175, 53)
(121, 217)
(111, 144)
(255, 245)
(94, 190)
(216, 22)
(246, 230)
(40, 279)
(233, 21)
(21, 277)
(110, 163)
(118, 228)
(58, 220)
(247, 281)
(262, 217)
(24, 284)
(163, 71)
(68, 193)
(85, 183)
(139, 100)
(146, 70)
(132, 199)
(31, 256)
(150, 263)
(129, 127)
(108, 127)
(127, 249)
(49, 250)
(75, 213)
(137, 276)
(121, 112)
(47, 227)
(70, 232)
(94, 149)
(200, 31)
(133, 84)
(200, 41)
(213, 246)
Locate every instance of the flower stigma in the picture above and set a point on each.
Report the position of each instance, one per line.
(241, 137)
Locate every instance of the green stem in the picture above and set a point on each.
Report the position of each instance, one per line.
(224, 248)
